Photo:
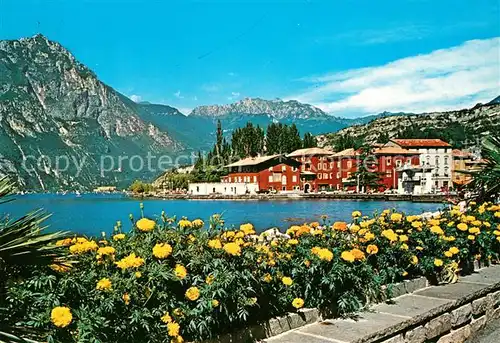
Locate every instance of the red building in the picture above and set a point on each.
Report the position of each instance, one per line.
(389, 159)
(316, 168)
(276, 172)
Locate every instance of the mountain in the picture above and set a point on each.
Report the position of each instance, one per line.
(461, 128)
(495, 101)
(55, 109)
(263, 112)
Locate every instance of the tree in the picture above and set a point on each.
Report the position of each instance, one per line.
(291, 138)
(365, 176)
(346, 141)
(309, 141)
(486, 182)
(273, 138)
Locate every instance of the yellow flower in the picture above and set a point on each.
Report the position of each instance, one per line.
(474, 230)
(177, 339)
(354, 228)
(347, 256)
(193, 293)
(293, 241)
(145, 224)
(104, 284)
(448, 253)
(419, 248)
(358, 254)
(209, 279)
(417, 224)
(403, 238)
(138, 274)
(61, 316)
(369, 236)
(298, 303)
(356, 214)
(247, 229)
(267, 278)
(162, 250)
(215, 303)
(180, 271)
(215, 244)
(437, 230)
(396, 217)
(198, 223)
(414, 260)
(404, 246)
(322, 253)
(454, 250)
(471, 237)
(232, 249)
(83, 246)
(130, 261)
(166, 318)
(287, 281)
(372, 249)
(390, 235)
(119, 236)
(173, 329)
(462, 227)
(438, 262)
(185, 224)
(126, 298)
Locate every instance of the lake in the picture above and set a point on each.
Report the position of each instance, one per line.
(91, 214)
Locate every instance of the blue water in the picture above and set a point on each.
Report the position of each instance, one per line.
(91, 214)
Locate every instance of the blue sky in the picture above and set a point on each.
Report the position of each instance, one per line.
(350, 58)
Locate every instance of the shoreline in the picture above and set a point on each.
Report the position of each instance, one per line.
(425, 198)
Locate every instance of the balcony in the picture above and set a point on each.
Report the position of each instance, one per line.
(412, 178)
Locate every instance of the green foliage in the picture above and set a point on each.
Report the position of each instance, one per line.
(24, 249)
(456, 134)
(336, 267)
(365, 175)
(309, 141)
(248, 141)
(345, 141)
(486, 181)
(140, 187)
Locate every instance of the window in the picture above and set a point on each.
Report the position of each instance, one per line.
(308, 166)
(338, 164)
(338, 175)
(398, 163)
(325, 176)
(239, 179)
(276, 177)
(270, 178)
(294, 178)
(283, 180)
(388, 161)
(197, 189)
(320, 166)
(325, 166)
(349, 164)
(294, 169)
(331, 175)
(437, 161)
(213, 190)
(283, 168)
(388, 174)
(255, 179)
(283, 188)
(331, 165)
(320, 176)
(446, 160)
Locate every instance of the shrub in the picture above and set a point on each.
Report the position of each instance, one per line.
(187, 279)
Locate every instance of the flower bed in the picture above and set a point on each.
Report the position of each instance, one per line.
(187, 280)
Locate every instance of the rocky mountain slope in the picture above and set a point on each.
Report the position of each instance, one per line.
(463, 127)
(54, 108)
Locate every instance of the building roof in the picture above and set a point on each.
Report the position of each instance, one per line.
(253, 161)
(346, 153)
(394, 151)
(461, 153)
(417, 143)
(310, 152)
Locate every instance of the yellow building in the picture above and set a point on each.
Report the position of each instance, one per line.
(464, 161)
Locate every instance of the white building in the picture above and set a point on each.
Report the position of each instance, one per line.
(223, 188)
(415, 179)
(434, 153)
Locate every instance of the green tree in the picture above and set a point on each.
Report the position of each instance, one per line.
(309, 141)
(291, 138)
(366, 175)
(486, 182)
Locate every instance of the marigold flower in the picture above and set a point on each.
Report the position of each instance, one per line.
(323, 253)
(215, 244)
(287, 281)
(372, 249)
(106, 251)
(180, 271)
(209, 279)
(396, 217)
(145, 224)
(462, 227)
(130, 261)
(198, 223)
(347, 256)
(61, 316)
(162, 250)
(454, 250)
(81, 247)
(173, 329)
(119, 236)
(247, 229)
(138, 274)
(340, 226)
(126, 298)
(414, 260)
(356, 214)
(354, 228)
(448, 253)
(103, 284)
(474, 230)
(390, 235)
(438, 262)
(298, 303)
(403, 238)
(232, 249)
(369, 236)
(293, 241)
(267, 278)
(358, 254)
(215, 303)
(193, 293)
(471, 237)
(437, 230)
(166, 318)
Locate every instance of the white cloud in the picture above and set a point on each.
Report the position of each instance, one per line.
(178, 95)
(234, 95)
(444, 79)
(185, 110)
(135, 98)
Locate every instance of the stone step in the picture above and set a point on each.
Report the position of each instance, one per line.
(448, 313)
